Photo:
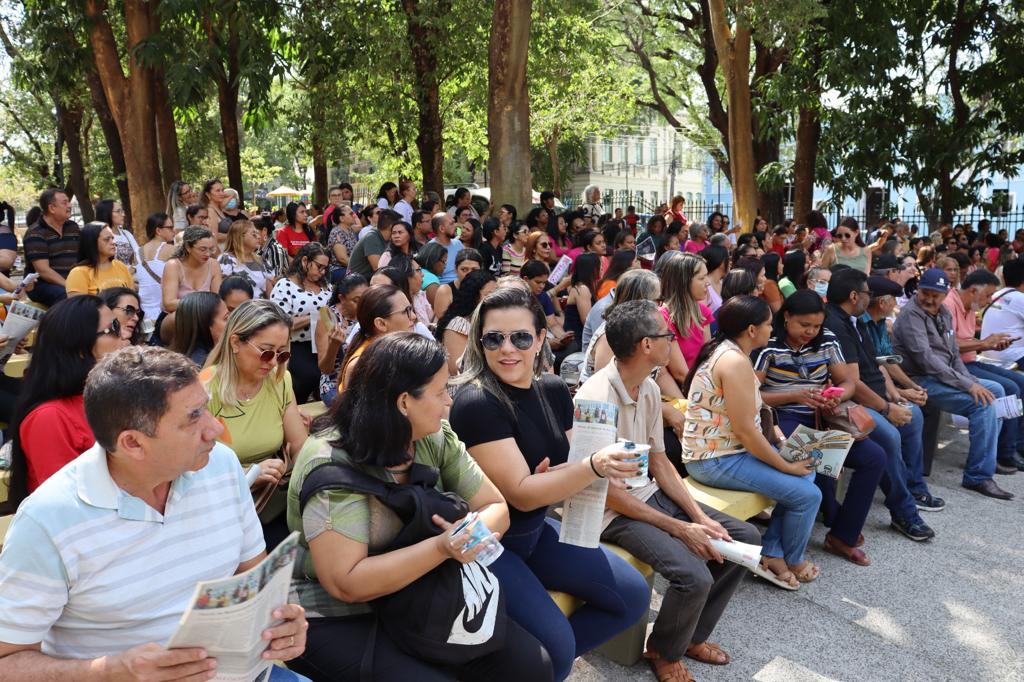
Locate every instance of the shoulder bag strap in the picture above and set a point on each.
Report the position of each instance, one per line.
(338, 476)
(145, 266)
(985, 309)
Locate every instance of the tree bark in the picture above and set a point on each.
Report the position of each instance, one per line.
(424, 36)
(71, 125)
(808, 133)
(112, 138)
(733, 47)
(508, 105)
(556, 170)
(130, 98)
(167, 133)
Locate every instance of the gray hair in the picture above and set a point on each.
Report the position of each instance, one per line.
(635, 285)
(720, 239)
(630, 323)
(696, 229)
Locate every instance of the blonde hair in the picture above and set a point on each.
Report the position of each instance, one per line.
(245, 321)
(236, 235)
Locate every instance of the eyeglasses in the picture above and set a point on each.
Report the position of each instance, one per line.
(319, 266)
(522, 340)
(113, 330)
(268, 355)
(203, 249)
(844, 235)
(408, 311)
(671, 336)
(131, 311)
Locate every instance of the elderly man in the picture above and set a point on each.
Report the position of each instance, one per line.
(102, 559)
(923, 335)
(51, 247)
(974, 294)
(660, 523)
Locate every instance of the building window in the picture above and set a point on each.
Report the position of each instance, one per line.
(623, 157)
(639, 153)
(689, 197)
(654, 198)
(652, 156)
(606, 151)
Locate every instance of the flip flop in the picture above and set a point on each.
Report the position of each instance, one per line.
(766, 573)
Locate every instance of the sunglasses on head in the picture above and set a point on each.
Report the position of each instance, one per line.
(113, 330)
(522, 340)
(268, 355)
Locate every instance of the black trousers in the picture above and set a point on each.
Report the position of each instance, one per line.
(335, 647)
(305, 372)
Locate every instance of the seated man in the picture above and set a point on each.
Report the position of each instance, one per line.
(660, 523)
(974, 294)
(923, 335)
(1005, 315)
(102, 559)
(898, 422)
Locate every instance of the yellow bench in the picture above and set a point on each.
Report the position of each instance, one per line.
(5, 485)
(5, 522)
(15, 367)
(313, 410)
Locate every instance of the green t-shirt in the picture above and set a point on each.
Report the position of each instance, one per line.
(786, 287)
(360, 517)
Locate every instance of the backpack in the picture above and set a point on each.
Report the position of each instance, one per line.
(450, 616)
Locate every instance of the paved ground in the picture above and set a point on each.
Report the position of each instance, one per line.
(949, 609)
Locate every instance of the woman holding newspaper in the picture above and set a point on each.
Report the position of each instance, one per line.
(518, 428)
(805, 376)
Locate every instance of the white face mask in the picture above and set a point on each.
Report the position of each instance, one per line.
(821, 288)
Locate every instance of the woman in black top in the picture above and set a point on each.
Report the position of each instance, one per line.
(517, 425)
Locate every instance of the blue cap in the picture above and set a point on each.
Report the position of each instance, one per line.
(934, 279)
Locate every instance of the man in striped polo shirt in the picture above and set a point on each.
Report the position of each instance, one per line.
(51, 247)
(102, 559)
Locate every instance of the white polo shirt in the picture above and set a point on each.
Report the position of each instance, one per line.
(90, 571)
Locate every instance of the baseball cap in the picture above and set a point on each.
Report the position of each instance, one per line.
(934, 279)
(883, 286)
(885, 261)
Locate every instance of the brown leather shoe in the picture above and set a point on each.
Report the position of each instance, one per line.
(1005, 469)
(990, 489)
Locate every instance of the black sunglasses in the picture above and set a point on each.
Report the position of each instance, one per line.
(671, 336)
(113, 330)
(494, 340)
(131, 311)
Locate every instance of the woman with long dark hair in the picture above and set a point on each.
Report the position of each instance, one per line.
(153, 256)
(383, 309)
(192, 268)
(111, 213)
(333, 330)
(199, 325)
(390, 420)
(558, 230)
(128, 312)
(49, 428)
(794, 267)
(453, 327)
(622, 261)
(582, 292)
(97, 267)
(296, 232)
(716, 258)
(387, 195)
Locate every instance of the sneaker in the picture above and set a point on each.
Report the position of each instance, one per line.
(929, 503)
(915, 529)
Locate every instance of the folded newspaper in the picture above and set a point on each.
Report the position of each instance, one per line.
(22, 318)
(1008, 407)
(828, 448)
(594, 426)
(746, 555)
(227, 617)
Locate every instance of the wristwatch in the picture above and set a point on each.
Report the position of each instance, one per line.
(885, 412)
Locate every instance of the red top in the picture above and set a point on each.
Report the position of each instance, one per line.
(291, 240)
(52, 435)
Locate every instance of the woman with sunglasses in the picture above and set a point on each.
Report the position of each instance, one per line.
(199, 325)
(128, 312)
(848, 248)
(251, 395)
(301, 295)
(453, 327)
(539, 247)
(518, 428)
(49, 428)
(801, 360)
(97, 266)
(382, 309)
(514, 252)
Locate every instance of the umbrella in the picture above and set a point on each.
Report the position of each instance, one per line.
(284, 191)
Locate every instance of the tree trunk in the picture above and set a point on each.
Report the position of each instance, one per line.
(319, 172)
(733, 46)
(423, 35)
(227, 98)
(556, 167)
(71, 125)
(113, 139)
(808, 133)
(947, 200)
(130, 98)
(170, 158)
(58, 148)
(508, 105)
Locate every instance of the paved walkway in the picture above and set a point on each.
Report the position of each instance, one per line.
(949, 609)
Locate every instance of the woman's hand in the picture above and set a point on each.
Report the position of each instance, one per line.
(610, 462)
(811, 397)
(455, 548)
(271, 471)
(337, 334)
(801, 468)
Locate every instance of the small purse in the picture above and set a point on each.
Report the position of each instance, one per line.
(851, 418)
(770, 426)
(262, 492)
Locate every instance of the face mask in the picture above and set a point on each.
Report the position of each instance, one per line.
(232, 203)
(821, 288)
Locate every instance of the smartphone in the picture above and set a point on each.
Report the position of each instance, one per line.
(833, 392)
(889, 359)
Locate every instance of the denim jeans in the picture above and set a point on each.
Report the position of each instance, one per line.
(279, 674)
(904, 465)
(47, 293)
(984, 426)
(867, 461)
(614, 593)
(797, 499)
(1011, 435)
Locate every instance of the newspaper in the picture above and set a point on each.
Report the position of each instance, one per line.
(646, 249)
(560, 270)
(1008, 407)
(828, 448)
(748, 556)
(594, 426)
(227, 617)
(22, 318)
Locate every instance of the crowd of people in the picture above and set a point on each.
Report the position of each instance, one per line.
(448, 355)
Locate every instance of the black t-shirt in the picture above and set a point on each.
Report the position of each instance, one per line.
(856, 347)
(492, 258)
(479, 417)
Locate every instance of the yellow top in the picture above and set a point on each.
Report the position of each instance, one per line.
(85, 279)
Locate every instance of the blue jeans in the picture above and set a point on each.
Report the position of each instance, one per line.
(904, 464)
(867, 461)
(615, 594)
(984, 426)
(797, 499)
(279, 674)
(1011, 435)
(47, 293)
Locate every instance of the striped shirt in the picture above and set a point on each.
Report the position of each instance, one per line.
(790, 370)
(89, 570)
(42, 242)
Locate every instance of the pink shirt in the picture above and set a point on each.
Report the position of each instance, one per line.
(694, 247)
(692, 340)
(965, 322)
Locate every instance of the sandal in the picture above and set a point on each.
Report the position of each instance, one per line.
(667, 671)
(808, 574)
(709, 653)
(834, 545)
(782, 580)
